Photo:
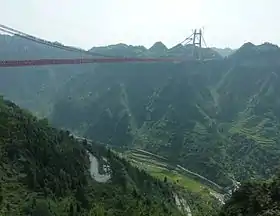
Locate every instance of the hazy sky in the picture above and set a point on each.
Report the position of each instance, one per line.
(87, 23)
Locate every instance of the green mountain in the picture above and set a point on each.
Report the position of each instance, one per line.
(158, 47)
(34, 88)
(255, 198)
(218, 118)
(216, 121)
(45, 171)
(157, 50)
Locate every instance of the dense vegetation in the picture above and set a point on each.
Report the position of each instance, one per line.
(34, 88)
(46, 172)
(206, 116)
(259, 198)
(213, 115)
(218, 118)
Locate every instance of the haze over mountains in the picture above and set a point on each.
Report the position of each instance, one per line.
(217, 118)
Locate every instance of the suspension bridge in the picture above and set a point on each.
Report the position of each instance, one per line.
(196, 39)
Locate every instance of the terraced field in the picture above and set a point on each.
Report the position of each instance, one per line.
(186, 180)
(192, 189)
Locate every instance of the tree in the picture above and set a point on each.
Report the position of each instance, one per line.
(98, 210)
(1, 194)
(41, 209)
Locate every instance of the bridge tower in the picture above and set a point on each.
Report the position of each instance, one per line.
(197, 44)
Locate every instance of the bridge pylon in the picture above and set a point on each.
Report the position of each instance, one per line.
(195, 39)
(197, 44)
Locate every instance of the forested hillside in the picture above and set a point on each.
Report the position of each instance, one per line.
(258, 198)
(217, 118)
(45, 171)
(34, 88)
(208, 116)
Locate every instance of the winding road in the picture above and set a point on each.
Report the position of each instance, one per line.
(94, 172)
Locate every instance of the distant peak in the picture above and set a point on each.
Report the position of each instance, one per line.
(246, 48)
(119, 45)
(247, 45)
(268, 46)
(250, 51)
(158, 47)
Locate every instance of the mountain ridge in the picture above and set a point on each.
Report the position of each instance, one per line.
(159, 121)
(219, 118)
(182, 107)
